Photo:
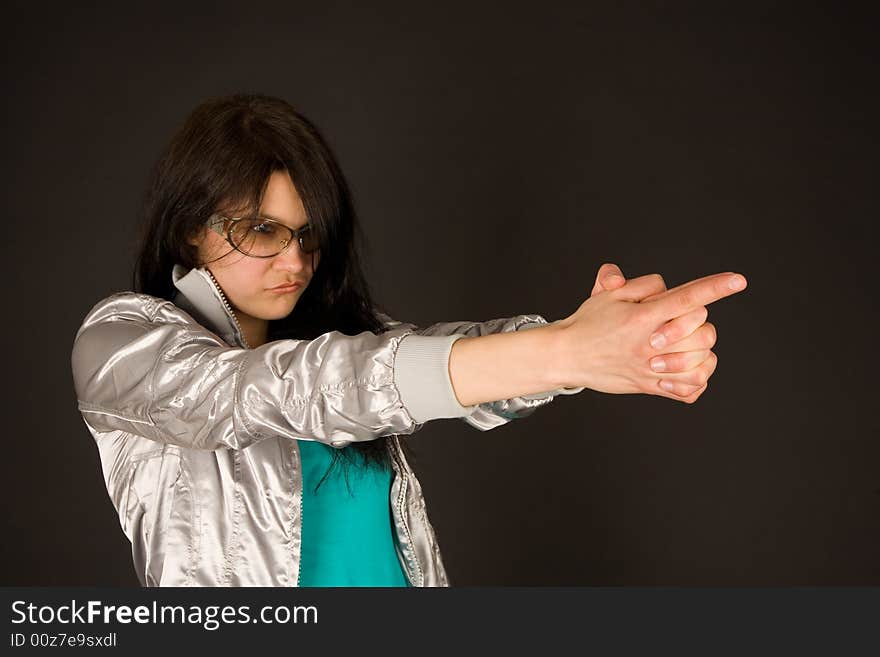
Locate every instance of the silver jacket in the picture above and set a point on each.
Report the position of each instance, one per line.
(197, 433)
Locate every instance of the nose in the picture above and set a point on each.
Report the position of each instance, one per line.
(293, 259)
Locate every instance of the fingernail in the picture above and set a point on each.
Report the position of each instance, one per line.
(658, 365)
(666, 385)
(612, 278)
(658, 341)
(736, 282)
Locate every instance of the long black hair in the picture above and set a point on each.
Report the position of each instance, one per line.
(224, 153)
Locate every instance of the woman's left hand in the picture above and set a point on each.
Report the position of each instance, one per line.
(688, 367)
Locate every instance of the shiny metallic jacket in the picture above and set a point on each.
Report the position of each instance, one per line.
(197, 433)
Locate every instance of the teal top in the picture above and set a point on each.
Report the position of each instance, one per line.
(348, 536)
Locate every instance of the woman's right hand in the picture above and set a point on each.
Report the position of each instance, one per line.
(605, 344)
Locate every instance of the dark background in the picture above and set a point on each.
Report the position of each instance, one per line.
(499, 155)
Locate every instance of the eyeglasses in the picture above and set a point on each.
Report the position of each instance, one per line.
(260, 237)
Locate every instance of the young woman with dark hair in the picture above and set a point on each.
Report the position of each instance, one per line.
(248, 398)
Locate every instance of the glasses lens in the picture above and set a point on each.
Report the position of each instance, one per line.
(258, 237)
(309, 241)
(261, 238)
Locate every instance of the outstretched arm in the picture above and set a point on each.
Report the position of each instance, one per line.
(509, 364)
(498, 378)
(144, 366)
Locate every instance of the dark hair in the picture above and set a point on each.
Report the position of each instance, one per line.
(222, 157)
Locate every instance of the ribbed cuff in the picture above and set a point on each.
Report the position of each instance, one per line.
(421, 374)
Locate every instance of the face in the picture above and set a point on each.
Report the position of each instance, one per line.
(247, 281)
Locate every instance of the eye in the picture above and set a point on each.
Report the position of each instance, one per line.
(263, 228)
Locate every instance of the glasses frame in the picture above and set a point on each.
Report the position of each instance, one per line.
(215, 222)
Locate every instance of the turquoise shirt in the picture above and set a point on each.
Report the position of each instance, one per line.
(348, 534)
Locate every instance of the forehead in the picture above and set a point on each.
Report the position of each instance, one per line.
(282, 202)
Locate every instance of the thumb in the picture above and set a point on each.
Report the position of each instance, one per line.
(610, 277)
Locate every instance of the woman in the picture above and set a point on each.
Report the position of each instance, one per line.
(247, 399)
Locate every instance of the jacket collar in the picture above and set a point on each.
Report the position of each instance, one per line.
(200, 296)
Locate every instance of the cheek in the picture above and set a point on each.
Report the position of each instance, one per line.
(251, 275)
(241, 278)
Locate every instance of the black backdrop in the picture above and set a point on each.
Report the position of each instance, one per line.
(499, 154)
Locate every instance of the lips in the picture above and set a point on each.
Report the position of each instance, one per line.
(287, 287)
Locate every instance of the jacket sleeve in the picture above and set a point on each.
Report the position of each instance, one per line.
(418, 349)
(142, 365)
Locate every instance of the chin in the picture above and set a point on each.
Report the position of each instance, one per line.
(278, 312)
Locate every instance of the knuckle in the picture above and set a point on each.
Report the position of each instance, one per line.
(640, 314)
(710, 334)
(682, 395)
(685, 298)
(657, 278)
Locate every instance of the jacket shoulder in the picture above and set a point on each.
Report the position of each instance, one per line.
(134, 306)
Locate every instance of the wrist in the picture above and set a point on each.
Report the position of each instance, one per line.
(559, 355)
(555, 355)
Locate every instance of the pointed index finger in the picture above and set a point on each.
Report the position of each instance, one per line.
(690, 296)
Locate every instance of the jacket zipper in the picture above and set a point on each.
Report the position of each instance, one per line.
(228, 307)
(302, 483)
(398, 458)
(235, 323)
